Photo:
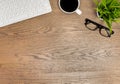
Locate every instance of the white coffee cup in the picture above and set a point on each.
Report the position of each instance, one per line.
(77, 10)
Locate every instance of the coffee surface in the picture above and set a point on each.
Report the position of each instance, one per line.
(69, 5)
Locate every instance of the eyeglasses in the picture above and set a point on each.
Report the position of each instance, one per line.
(104, 31)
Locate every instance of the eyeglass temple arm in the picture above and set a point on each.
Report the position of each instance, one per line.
(99, 25)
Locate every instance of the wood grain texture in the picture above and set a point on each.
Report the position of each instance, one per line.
(57, 49)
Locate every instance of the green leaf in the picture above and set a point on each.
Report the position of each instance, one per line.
(96, 2)
(117, 20)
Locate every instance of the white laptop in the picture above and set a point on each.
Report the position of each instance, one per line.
(12, 11)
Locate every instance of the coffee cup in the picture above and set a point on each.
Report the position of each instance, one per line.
(70, 6)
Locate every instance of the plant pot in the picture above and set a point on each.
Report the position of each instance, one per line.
(98, 15)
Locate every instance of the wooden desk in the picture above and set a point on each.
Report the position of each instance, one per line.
(57, 49)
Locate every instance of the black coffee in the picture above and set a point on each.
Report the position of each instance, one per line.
(69, 5)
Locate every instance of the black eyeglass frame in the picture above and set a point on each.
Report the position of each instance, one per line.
(88, 21)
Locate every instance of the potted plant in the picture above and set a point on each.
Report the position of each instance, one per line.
(109, 11)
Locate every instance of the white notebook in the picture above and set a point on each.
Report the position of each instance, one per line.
(12, 11)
